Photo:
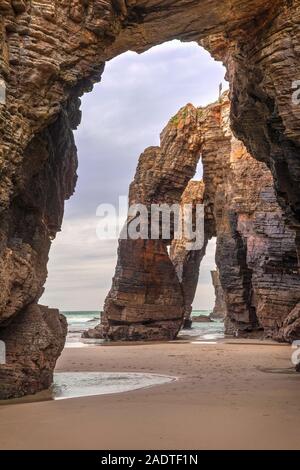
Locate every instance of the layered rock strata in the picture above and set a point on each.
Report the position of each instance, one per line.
(256, 251)
(220, 309)
(147, 300)
(33, 340)
(52, 52)
(26, 230)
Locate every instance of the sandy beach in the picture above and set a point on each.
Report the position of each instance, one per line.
(229, 395)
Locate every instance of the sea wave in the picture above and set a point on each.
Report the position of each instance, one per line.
(80, 321)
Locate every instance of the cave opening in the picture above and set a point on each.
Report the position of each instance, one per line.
(206, 303)
(124, 114)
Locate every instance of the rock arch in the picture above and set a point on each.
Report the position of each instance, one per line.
(53, 52)
(256, 250)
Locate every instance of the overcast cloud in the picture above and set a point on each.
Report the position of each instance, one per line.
(123, 115)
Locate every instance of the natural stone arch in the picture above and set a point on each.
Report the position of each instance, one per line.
(256, 251)
(75, 39)
(52, 52)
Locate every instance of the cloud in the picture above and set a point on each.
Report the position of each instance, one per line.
(123, 115)
(80, 268)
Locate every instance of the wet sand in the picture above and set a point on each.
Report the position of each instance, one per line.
(229, 396)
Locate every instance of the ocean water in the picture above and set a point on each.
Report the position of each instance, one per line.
(210, 331)
(80, 321)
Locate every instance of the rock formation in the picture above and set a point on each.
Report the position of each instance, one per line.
(52, 52)
(34, 340)
(202, 319)
(146, 301)
(219, 311)
(290, 330)
(256, 250)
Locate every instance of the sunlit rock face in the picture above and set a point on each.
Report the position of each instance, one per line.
(53, 52)
(147, 300)
(256, 251)
(34, 216)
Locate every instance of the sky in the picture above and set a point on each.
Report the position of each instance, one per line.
(123, 115)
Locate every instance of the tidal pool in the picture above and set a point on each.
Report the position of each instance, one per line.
(85, 384)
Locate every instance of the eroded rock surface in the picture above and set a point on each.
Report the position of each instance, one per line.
(147, 301)
(187, 262)
(290, 330)
(256, 250)
(52, 52)
(220, 309)
(34, 340)
(27, 227)
(35, 215)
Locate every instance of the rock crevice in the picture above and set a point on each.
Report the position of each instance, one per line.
(256, 250)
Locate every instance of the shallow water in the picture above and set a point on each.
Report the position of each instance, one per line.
(84, 384)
